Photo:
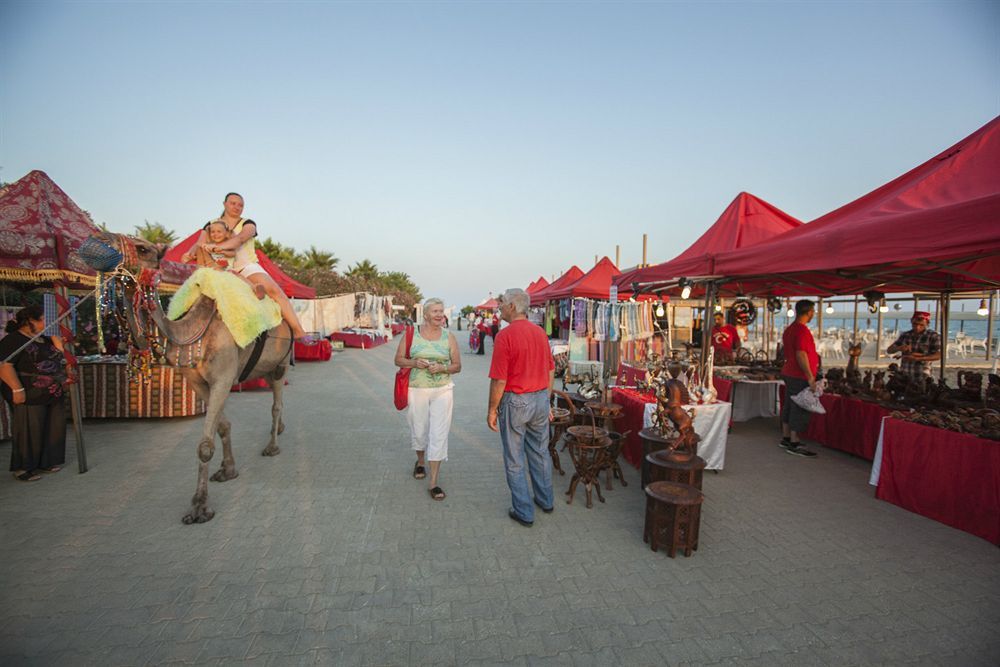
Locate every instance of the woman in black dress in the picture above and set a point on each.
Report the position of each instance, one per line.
(32, 383)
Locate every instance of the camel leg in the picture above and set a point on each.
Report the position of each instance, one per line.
(200, 512)
(277, 387)
(227, 470)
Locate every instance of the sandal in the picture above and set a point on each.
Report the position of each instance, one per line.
(418, 471)
(26, 476)
(51, 470)
(437, 493)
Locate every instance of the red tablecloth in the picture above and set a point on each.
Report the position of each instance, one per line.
(398, 328)
(850, 425)
(633, 410)
(723, 389)
(321, 351)
(357, 340)
(949, 477)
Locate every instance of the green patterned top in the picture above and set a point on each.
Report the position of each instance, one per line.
(435, 351)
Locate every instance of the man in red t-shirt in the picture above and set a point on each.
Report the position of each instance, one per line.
(521, 375)
(799, 372)
(725, 339)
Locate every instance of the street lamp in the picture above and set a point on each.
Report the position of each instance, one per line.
(983, 309)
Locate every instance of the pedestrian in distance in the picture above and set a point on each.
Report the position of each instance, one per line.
(434, 358)
(521, 375)
(799, 372)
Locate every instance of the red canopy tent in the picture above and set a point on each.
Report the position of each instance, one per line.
(747, 221)
(595, 284)
(41, 229)
(289, 286)
(489, 304)
(537, 285)
(571, 276)
(936, 228)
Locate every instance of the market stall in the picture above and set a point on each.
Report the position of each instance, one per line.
(109, 393)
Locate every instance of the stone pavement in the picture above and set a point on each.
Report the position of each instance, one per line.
(332, 554)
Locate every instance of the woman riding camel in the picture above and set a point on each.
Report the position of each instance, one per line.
(245, 262)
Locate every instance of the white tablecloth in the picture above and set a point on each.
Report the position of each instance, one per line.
(877, 461)
(754, 398)
(711, 422)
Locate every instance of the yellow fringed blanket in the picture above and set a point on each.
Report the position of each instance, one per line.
(246, 316)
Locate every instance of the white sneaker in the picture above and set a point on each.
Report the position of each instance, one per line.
(807, 399)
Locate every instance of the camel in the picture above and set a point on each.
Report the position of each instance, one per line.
(216, 362)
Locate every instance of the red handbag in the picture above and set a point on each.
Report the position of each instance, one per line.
(403, 376)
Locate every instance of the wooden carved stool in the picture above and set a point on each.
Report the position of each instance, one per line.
(673, 517)
(557, 427)
(614, 469)
(589, 459)
(663, 468)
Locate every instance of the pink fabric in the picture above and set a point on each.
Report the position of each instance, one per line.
(949, 477)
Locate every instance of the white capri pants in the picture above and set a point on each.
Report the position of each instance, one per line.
(429, 416)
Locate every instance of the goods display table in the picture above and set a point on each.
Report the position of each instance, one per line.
(950, 477)
(107, 393)
(750, 398)
(850, 425)
(320, 351)
(711, 422)
(362, 340)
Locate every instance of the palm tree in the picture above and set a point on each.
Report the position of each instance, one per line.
(282, 255)
(319, 259)
(364, 269)
(154, 232)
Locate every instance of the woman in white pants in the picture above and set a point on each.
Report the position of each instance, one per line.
(434, 358)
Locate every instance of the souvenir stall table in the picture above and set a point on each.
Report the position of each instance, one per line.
(108, 393)
(750, 398)
(361, 338)
(320, 351)
(950, 477)
(711, 422)
(849, 425)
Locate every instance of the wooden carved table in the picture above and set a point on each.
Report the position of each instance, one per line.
(589, 459)
(673, 517)
(664, 468)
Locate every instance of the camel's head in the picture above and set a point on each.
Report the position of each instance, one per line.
(146, 255)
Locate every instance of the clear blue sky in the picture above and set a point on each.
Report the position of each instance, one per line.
(478, 145)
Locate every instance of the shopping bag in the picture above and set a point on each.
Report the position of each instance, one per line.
(402, 388)
(807, 399)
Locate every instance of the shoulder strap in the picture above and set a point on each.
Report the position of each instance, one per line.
(409, 340)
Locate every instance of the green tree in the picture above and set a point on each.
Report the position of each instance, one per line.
(319, 259)
(282, 255)
(364, 270)
(155, 232)
(468, 309)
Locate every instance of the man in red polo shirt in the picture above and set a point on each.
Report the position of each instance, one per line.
(799, 372)
(725, 340)
(521, 375)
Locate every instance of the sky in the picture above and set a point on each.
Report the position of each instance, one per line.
(479, 145)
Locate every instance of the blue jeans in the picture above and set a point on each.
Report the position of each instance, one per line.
(523, 420)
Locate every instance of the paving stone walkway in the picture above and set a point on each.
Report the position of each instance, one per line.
(332, 554)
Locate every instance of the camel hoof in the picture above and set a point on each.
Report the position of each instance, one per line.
(221, 475)
(271, 450)
(198, 514)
